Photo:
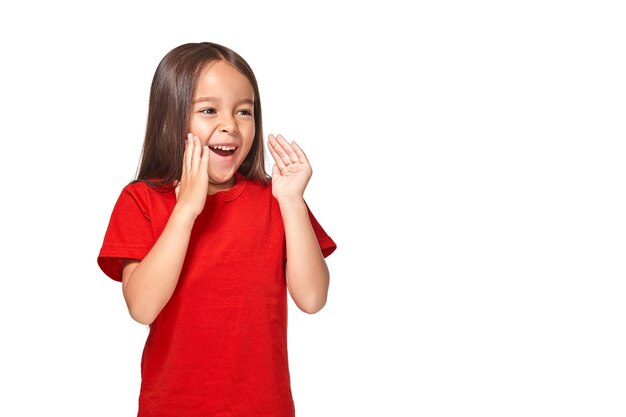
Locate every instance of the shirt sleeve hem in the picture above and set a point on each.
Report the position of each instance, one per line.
(327, 246)
(110, 259)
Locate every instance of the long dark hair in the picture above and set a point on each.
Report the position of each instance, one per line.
(171, 96)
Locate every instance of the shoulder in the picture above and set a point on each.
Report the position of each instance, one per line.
(146, 195)
(264, 191)
(135, 186)
(136, 190)
(148, 187)
(257, 185)
(257, 193)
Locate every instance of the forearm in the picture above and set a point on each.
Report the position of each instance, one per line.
(154, 280)
(306, 271)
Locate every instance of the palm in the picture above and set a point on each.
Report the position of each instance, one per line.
(292, 171)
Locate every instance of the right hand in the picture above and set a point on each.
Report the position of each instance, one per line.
(192, 189)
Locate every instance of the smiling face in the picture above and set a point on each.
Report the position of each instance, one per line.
(222, 116)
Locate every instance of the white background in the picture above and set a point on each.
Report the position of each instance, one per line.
(468, 159)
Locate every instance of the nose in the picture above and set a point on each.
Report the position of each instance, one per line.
(228, 125)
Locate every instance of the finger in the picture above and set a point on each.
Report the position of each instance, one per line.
(197, 149)
(276, 157)
(177, 188)
(275, 171)
(204, 163)
(288, 149)
(282, 155)
(301, 156)
(187, 154)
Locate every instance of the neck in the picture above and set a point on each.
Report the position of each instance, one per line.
(216, 188)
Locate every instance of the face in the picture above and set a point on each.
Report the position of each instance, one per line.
(222, 116)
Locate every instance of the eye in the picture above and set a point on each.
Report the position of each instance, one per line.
(245, 112)
(208, 111)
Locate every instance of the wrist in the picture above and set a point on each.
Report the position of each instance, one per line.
(184, 214)
(290, 201)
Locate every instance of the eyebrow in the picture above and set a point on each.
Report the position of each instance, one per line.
(243, 100)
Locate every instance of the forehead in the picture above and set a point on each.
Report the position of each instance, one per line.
(220, 79)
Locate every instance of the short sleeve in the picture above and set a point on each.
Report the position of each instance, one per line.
(327, 245)
(129, 233)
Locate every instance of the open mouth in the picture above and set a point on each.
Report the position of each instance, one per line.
(223, 150)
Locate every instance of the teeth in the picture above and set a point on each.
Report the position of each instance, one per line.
(224, 148)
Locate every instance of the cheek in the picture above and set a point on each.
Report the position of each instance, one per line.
(250, 143)
(250, 133)
(201, 128)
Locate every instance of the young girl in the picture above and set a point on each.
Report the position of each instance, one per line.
(206, 245)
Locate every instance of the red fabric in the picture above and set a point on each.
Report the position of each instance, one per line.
(219, 346)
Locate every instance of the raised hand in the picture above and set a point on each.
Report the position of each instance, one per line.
(292, 171)
(192, 189)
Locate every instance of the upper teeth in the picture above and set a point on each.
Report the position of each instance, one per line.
(224, 148)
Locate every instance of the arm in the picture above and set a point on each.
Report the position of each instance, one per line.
(305, 270)
(149, 284)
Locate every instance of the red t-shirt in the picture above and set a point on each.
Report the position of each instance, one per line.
(219, 346)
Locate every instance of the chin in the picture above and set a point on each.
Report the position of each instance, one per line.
(220, 179)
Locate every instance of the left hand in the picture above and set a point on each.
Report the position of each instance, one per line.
(292, 171)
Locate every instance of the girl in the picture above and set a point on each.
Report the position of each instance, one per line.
(206, 246)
